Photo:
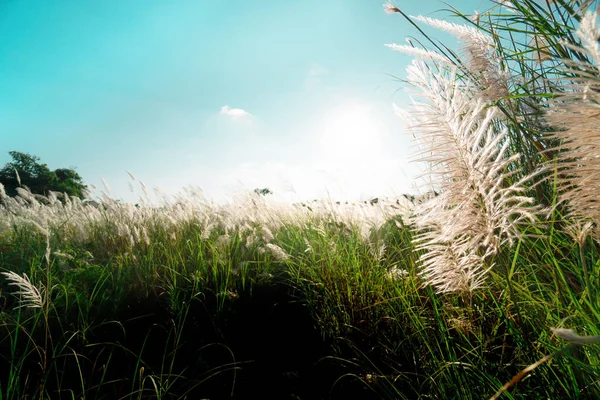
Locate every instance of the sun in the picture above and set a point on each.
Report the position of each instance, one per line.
(351, 134)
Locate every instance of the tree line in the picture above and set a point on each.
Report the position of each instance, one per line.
(26, 170)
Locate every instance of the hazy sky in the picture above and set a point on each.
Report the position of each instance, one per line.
(291, 95)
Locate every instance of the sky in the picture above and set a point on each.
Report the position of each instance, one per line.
(294, 96)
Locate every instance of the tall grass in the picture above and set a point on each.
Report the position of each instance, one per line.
(499, 121)
(470, 294)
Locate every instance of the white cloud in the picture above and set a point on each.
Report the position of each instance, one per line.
(234, 113)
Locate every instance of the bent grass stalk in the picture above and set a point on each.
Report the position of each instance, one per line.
(568, 335)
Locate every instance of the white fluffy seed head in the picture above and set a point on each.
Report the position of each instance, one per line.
(482, 205)
(29, 294)
(277, 252)
(575, 115)
(390, 8)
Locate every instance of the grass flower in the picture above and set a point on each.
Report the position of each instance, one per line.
(396, 273)
(482, 205)
(423, 54)
(18, 177)
(390, 8)
(482, 64)
(29, 295)
(277, 252)
(451, 266)
(309, 248)
(508, 5)
(223, 242)
(574, 114)
(267, 234)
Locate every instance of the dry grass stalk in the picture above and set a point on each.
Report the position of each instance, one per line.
(570, 336)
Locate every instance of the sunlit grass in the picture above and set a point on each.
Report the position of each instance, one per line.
(186, 298)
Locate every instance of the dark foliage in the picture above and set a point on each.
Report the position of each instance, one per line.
(263, 192)
(26, 170)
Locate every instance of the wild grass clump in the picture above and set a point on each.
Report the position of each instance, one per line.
(176, 298)
(471, 293)
(507, 129)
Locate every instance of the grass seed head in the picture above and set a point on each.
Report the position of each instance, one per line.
(29, 295)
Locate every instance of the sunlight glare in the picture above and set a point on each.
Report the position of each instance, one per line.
(351, 134)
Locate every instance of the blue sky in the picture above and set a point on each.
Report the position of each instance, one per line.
(291, 95)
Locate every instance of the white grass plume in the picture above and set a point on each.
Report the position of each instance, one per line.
(482, 205)
(575, 113)
(423, 54)
(589, 34)
(508, 5)
(483, 64)
(452, 266)
(390, 8)
(463, 32)
(277, 252)
(18, 177)
(29, 295)
(120, 227)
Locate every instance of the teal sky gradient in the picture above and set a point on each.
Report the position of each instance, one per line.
(139, 85)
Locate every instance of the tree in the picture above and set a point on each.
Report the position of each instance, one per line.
(26, 170)
(263, 192)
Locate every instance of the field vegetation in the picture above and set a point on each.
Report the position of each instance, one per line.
(486, 290)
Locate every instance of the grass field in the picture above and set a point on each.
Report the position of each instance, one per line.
(449, 298)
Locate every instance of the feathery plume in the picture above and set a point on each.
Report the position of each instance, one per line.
(223, 241)
(29, 294)
(390, 8)
(309, 248)
(418, 52)
(453, 266)
(18, 177)
(508, 5)
(277, 252)
(48, 250)
(250, 240)
(481, 205)
(395, 273)
(63, 255)
(463, 32)
(589, 34)
(267, 234)
(482, 63)
(575, 113)
(206, 231)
